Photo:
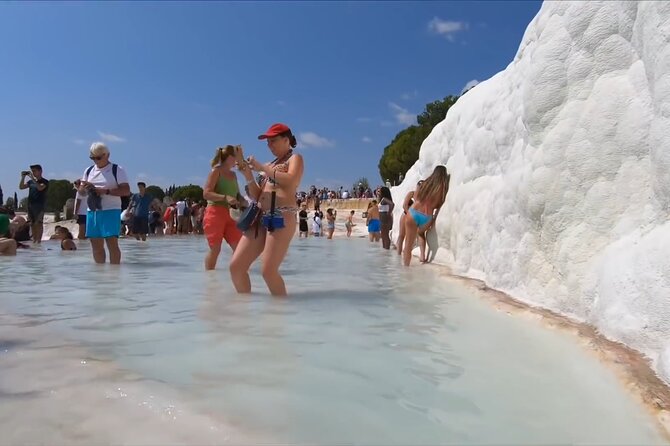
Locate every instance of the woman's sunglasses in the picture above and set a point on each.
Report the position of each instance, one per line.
(97, 158)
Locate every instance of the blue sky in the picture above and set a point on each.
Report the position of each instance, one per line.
(165, 83)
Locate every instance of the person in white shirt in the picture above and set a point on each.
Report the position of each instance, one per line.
(316, 226)
(80, 209)
(105, 183)
(181, 218)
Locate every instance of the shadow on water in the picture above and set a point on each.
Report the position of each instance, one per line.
(7, 345)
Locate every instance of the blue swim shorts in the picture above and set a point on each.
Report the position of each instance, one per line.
(103, 224)
(374, 225)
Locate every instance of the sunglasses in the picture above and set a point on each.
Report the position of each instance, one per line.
(97, 158)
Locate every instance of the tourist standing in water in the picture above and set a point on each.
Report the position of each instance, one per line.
(303, 228)
(80, 207)
(349, 224)
(222, 193)
(428, 200)
(386, 207)
(37, 199)
(270, 236)
(374, 225)
(331, 215)
(406, 204)
(105, 183)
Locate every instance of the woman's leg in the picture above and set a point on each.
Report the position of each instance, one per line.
(401, 234)
(114, 250)
(98, 249)
(212, 256)
(422, 246)
(276, 246)
(410, 237)
(385, 236)
(247, 250)
(82, 231)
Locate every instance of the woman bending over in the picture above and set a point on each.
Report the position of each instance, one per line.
(428, 200)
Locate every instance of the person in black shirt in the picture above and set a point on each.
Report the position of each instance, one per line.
(37, 199)
(302, 215)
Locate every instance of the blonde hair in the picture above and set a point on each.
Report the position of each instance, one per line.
(98, 148)
(222, 154)
(434, 188)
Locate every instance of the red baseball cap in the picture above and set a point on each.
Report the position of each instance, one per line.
(274, 130)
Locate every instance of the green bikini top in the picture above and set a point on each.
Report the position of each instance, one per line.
(224, 186)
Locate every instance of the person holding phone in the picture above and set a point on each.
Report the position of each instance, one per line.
(275, 189)
(37, 199)
(104, 183)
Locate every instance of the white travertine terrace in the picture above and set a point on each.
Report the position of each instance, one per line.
(560, 172)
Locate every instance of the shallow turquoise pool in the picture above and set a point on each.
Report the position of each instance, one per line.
(363, 351)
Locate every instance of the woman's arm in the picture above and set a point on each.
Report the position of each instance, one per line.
(405, 203)
(291, 177)
(122, 191)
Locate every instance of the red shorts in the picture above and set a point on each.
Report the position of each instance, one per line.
(218, 225)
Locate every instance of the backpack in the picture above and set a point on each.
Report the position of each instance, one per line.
(125, 201)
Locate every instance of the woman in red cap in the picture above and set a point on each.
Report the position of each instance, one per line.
(270, 236)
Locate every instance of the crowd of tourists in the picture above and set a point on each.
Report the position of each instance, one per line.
(261, 222)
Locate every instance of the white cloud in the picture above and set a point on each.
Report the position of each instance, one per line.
(311, 139)
(446, 28)
(281, 103)
(385, 123)
(366, 139)
(469, 85)
(79, 141)
(402, 115)
(363, 119)
(408, 96)
(109, 137)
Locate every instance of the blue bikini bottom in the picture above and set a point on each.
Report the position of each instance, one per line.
(420, 218)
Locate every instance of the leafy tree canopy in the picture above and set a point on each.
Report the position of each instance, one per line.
(403, 151)
(58, 193)
(156, 192)
(191, 191)
(362, 181)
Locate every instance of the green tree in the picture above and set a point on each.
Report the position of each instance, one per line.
(10, 203)
(436, 111)
(191, 191)
(362, 181)
(58, 193)
(23, 204)
(156, 192)
(403, 151)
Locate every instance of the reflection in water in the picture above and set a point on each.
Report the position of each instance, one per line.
(362, 351)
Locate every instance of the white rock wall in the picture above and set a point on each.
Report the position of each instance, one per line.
(560, 171)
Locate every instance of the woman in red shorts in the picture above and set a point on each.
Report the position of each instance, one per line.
(221, 192)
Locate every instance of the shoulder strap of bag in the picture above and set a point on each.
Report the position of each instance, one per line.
(115, 169)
